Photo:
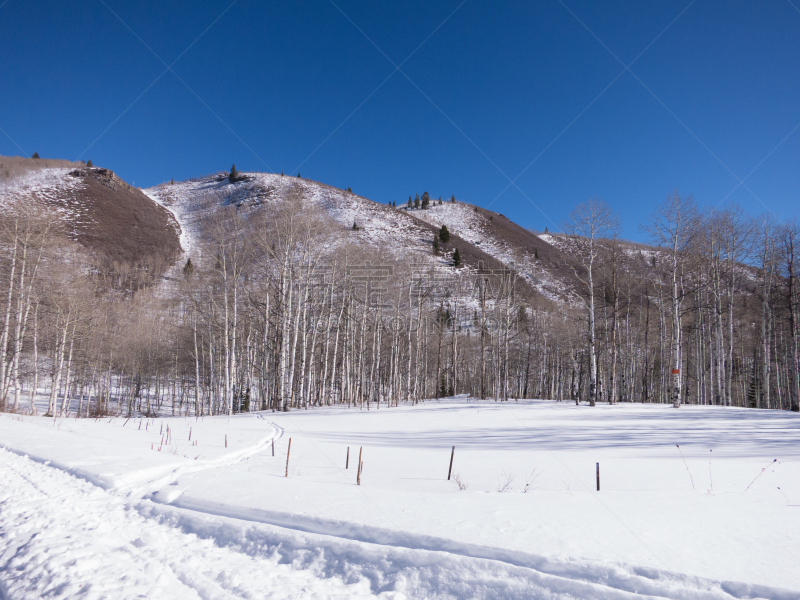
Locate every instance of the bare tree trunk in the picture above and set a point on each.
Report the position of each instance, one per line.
(65, 401)
(7, 322)
(58, 366)
(35, 358)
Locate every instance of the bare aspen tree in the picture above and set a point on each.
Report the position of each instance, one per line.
(790, 248)
(589, 223)
(673, 227)
(768, 267)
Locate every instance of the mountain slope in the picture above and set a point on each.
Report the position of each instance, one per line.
(116, 222)
(544, 267)
(484, 240)
(380, 231)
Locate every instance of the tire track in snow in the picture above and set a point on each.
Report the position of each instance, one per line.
(63, 537)
(429, 567)
(143, 483)
(183, 540)
(399, 552)
(228, 459)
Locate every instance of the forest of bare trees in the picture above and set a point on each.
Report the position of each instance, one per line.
(276, 311)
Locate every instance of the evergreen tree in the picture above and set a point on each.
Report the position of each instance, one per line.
(545, 229)
(35, 155)
(425, 202)
(444, 234)
(453, 198)
(416, 201)
(89, 163)
(355, 226)
(410, 202)
(234, 175)
(456, 258)
(188, 268)
(425, 196)
(298, 176)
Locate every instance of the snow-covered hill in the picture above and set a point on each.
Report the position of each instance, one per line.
(530, 255)
(484, 240)
(381, 233)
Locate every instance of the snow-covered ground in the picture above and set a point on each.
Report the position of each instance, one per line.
(694, 503)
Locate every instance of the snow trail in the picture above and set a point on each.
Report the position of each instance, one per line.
(100, 526)
(65, 538)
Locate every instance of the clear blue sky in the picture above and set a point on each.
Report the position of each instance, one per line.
(486, 94)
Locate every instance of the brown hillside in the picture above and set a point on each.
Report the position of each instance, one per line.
(123, 225)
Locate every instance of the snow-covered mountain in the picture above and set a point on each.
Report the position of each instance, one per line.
(485, 240)
(124, 225)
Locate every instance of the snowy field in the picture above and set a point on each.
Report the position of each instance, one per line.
(120, 508)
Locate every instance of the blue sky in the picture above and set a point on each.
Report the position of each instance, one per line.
(526, 107)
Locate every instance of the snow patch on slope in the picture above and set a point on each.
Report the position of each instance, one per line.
(470, 225)
(53, 187)
(381, 229)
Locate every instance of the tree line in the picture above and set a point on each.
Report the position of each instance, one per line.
(277, 310)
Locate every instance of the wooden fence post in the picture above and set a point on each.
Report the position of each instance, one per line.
(450, 470)
(287, 457)
(347, 462)
(598, 477)
(360, 464)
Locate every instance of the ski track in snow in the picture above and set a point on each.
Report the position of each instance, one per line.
(65, 536)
